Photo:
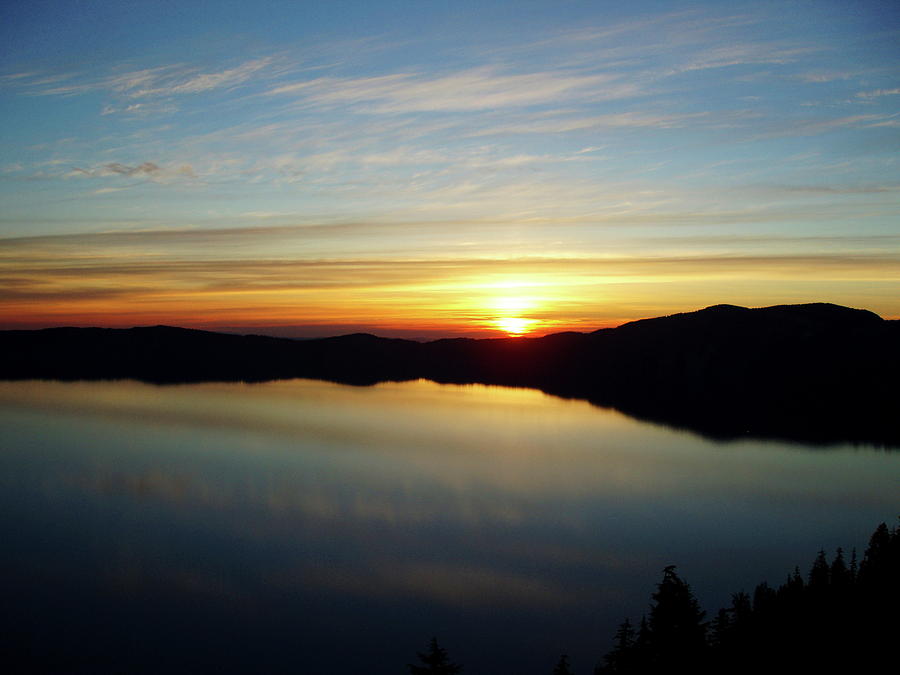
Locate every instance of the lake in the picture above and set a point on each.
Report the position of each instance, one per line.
(310, 527)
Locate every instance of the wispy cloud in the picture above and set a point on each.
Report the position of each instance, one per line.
(742, 55)
(822, 76)
(628, 38)
(893, 122)
(878, 93)
(565, 124)
(149, 83)
(813, 126)
(109, 190)
(146, 170)
(356, 272)
(453, 585)
(368, 290)
(143, 84)
(469, 90)
(843, 189)
(140, 109)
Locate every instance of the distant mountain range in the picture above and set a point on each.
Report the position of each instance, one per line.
(815, 372)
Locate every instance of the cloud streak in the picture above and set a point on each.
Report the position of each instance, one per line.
(149, 83)
(878, 93)
(146, 170)
(470, 90)
(452, 294)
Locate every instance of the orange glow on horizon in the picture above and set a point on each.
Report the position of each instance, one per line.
(509, 301)
(108, 280)
(515, 325)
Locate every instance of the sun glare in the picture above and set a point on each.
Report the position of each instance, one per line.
(505, 304)
(514, 325)
(508, 308)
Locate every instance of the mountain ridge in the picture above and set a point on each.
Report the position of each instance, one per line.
(815, 372)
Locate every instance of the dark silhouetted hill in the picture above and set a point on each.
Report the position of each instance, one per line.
(816, 372)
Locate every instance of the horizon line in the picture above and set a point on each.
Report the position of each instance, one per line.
(288, 332)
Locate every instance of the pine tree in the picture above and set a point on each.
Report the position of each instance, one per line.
(839, 574)
(818, 575)
(639, 656)
(840, 622)
(435, 660)
(619, 659)
(721, 629)
(763, 599)
(643, 634)
(676, 629)
(624, 638)
(562, 666)
(875, 564)
(741, 608)
(879, 584)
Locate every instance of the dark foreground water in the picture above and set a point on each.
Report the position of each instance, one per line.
(308, 527)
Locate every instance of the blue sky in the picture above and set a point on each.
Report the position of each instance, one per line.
(608, 160)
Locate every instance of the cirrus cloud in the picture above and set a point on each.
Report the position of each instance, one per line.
(468, 90)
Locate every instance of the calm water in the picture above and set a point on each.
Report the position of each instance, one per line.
(310, 527)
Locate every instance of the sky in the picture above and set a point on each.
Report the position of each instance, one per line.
(429, 169)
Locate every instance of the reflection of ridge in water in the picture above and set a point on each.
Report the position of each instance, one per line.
(338, 511)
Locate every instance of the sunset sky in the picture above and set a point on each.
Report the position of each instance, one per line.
(427, 169)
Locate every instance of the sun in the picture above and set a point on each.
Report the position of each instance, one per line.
(515, 325)
(507, 306)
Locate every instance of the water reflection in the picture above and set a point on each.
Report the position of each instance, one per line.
(489, 516)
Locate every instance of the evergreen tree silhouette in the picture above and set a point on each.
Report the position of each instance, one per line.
(643, 635)
(721, 630)
(879, 584)
(843, 620)
(562, 666)
(639, 656)
(839, 574)
(435, 662)
(875, 565)
(764, 599)
(790, 594)
(625, 636)
(676, 629)
(619, 659)
(796, 581)
(741, 608)
(818, 575)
